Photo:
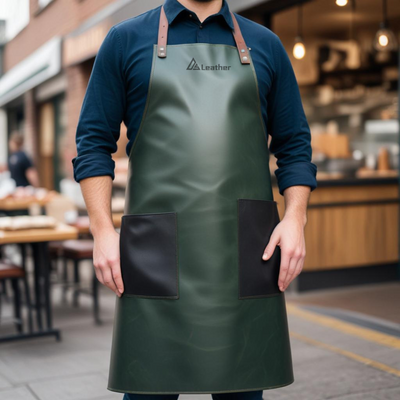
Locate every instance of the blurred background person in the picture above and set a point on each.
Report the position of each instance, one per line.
(20, 164)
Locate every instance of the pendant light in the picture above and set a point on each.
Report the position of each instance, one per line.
(385, 40)
(299, 50)
(341, 3)
(352, 21)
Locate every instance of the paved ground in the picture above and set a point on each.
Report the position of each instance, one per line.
(345, 345)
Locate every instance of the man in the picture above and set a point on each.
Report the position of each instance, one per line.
(20, 165)
(202, 260)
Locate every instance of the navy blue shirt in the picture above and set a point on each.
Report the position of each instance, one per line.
(119, 82)
(18, 163)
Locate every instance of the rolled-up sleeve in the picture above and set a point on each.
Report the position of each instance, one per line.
(102, 112)
(288, 126)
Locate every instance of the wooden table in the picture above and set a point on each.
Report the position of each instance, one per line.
(38, 239)
(60, 232)
(20, 204)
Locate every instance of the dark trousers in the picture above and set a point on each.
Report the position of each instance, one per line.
(253, 395)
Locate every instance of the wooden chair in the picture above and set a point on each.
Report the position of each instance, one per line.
(15, 274)
(72, 250)
(78, 251)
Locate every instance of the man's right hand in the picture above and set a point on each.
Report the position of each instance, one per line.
(106, 261)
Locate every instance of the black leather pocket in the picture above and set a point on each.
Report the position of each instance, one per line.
(148, 255)
(256, 221)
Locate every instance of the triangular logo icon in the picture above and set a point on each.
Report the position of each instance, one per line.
(193, 65)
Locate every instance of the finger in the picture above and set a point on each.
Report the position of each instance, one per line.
(99, 275)
(108, 279)
(299, 267)
(270, 248)
(291, 272)
(284, 267)
(116, 274)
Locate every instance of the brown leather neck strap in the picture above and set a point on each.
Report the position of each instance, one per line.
(240, 43)
(237, 35)
(162, 35)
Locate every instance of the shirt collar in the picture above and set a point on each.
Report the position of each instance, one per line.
(173, 8)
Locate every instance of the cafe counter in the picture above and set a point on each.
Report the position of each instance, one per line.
(351, 232)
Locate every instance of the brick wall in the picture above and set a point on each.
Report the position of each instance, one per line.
(59, 18)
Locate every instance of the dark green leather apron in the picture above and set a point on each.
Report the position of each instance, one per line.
(201, 311)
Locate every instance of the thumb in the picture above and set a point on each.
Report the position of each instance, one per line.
(269, 250)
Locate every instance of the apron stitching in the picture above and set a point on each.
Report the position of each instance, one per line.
(220, 391)
(273, 201)
(148, 214)
(204, 44)
(150, 297)
(260, 113)
(147, 103)
(238, 247)
(177, 256)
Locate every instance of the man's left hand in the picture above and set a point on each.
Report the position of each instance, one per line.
(289, 236)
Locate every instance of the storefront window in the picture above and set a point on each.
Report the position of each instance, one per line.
(349, 88)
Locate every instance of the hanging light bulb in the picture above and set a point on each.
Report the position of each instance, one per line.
(341, 3)
(352, 20)
(299, 49)
(385, 39)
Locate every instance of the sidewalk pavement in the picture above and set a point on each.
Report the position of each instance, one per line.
(345, 345)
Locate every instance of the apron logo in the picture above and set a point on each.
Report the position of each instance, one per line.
(193, 66)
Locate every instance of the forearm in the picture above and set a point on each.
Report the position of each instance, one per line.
(296, 201)
(97, 192)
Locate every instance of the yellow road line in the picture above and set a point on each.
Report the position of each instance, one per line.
(345, 327)
(349, 354)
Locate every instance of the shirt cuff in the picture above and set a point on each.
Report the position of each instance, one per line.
(298, 173)
(94, 164)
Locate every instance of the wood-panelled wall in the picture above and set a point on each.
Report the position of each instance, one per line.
(350, 235)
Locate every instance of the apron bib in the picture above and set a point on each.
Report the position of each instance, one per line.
(201, 311)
